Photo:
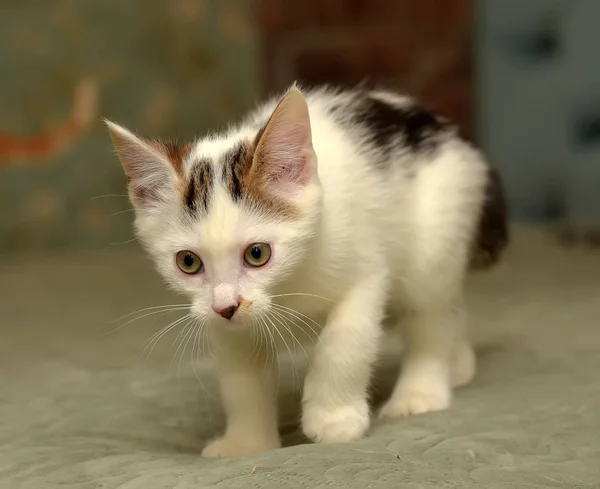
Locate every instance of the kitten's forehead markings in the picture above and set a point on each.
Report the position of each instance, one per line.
(236, 163)
(199, 186)
(244, 183)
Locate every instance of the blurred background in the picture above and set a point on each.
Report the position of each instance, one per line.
(79, 409)
(515, 75)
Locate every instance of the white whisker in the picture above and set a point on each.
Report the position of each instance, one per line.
(189, 337)
(122, 212)
(123, 242)
(183, 334)
(200, 325)
(268, 317)
(302, 294)
(161, 311)
(156, 337)
(106, 196)
(298, 315)
(287, 315)
(282, 320)
(275, 356)
(151, 308)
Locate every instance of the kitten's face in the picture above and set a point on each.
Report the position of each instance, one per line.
(224, 227)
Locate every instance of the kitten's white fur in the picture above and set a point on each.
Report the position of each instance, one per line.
(372, 242)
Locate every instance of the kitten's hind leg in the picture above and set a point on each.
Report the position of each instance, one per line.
(434, 360)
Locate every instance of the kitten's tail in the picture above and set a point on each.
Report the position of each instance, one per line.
(15, 149)
(492, 236)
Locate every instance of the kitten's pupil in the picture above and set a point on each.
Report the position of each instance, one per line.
(189, 260)
(256, 252)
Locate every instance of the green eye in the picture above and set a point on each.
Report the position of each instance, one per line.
(189, 262)
(257, 254)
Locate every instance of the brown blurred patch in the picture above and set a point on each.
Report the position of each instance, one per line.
(44, 206)
(159, 108)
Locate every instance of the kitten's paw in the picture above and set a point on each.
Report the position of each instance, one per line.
(338, 425)
(230, 447)
(410, 402)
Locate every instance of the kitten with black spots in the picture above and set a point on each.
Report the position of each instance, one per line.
(319, 214)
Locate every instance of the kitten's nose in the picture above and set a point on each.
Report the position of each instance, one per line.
(228, 312)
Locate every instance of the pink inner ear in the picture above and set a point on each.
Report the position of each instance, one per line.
(286, 146)
(289, 164)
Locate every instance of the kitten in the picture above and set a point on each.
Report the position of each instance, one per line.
(329, 208)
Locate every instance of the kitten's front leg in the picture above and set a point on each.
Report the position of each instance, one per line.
(335, 407)
(249, 400)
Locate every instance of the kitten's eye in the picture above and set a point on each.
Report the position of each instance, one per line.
(257, 254)
(189, 262)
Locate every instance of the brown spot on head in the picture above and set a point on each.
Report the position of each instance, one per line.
(236, 164)
(199, 186)
(247, 184)
(175, 153)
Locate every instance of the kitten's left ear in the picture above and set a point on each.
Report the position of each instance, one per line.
(284, 153)
(152, 168)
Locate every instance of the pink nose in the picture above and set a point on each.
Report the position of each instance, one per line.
(228, 312)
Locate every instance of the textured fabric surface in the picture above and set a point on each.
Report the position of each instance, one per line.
(80, 409)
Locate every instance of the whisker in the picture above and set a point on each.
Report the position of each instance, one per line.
(122, 212)
(106, 196)
(268, 317)
(196, 345)
(287, 314)
(269, 355)
(298, 315)
(189, 337)
(282, 320)
(162, 311)
(165, 330)
(275, 356)
(183, 334)
(124, 242)
(208, 342)
(304, 295)
(156, 337)
(254, 340)
(149, 309)
(268, 366)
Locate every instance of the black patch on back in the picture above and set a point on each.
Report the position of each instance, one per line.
(391, 125)
(492, 232)
(199, 188)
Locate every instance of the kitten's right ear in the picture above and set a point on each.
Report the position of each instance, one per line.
(152, 168)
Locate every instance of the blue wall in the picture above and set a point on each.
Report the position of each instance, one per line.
(538, 103)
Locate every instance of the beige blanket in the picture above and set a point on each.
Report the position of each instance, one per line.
(80, 409)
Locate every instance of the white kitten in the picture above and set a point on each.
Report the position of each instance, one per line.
(328, 208)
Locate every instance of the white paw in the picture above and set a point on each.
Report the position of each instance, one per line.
(335, 425)
(230, 447)
(409, 402)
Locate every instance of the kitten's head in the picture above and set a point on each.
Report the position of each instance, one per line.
(227, 219)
